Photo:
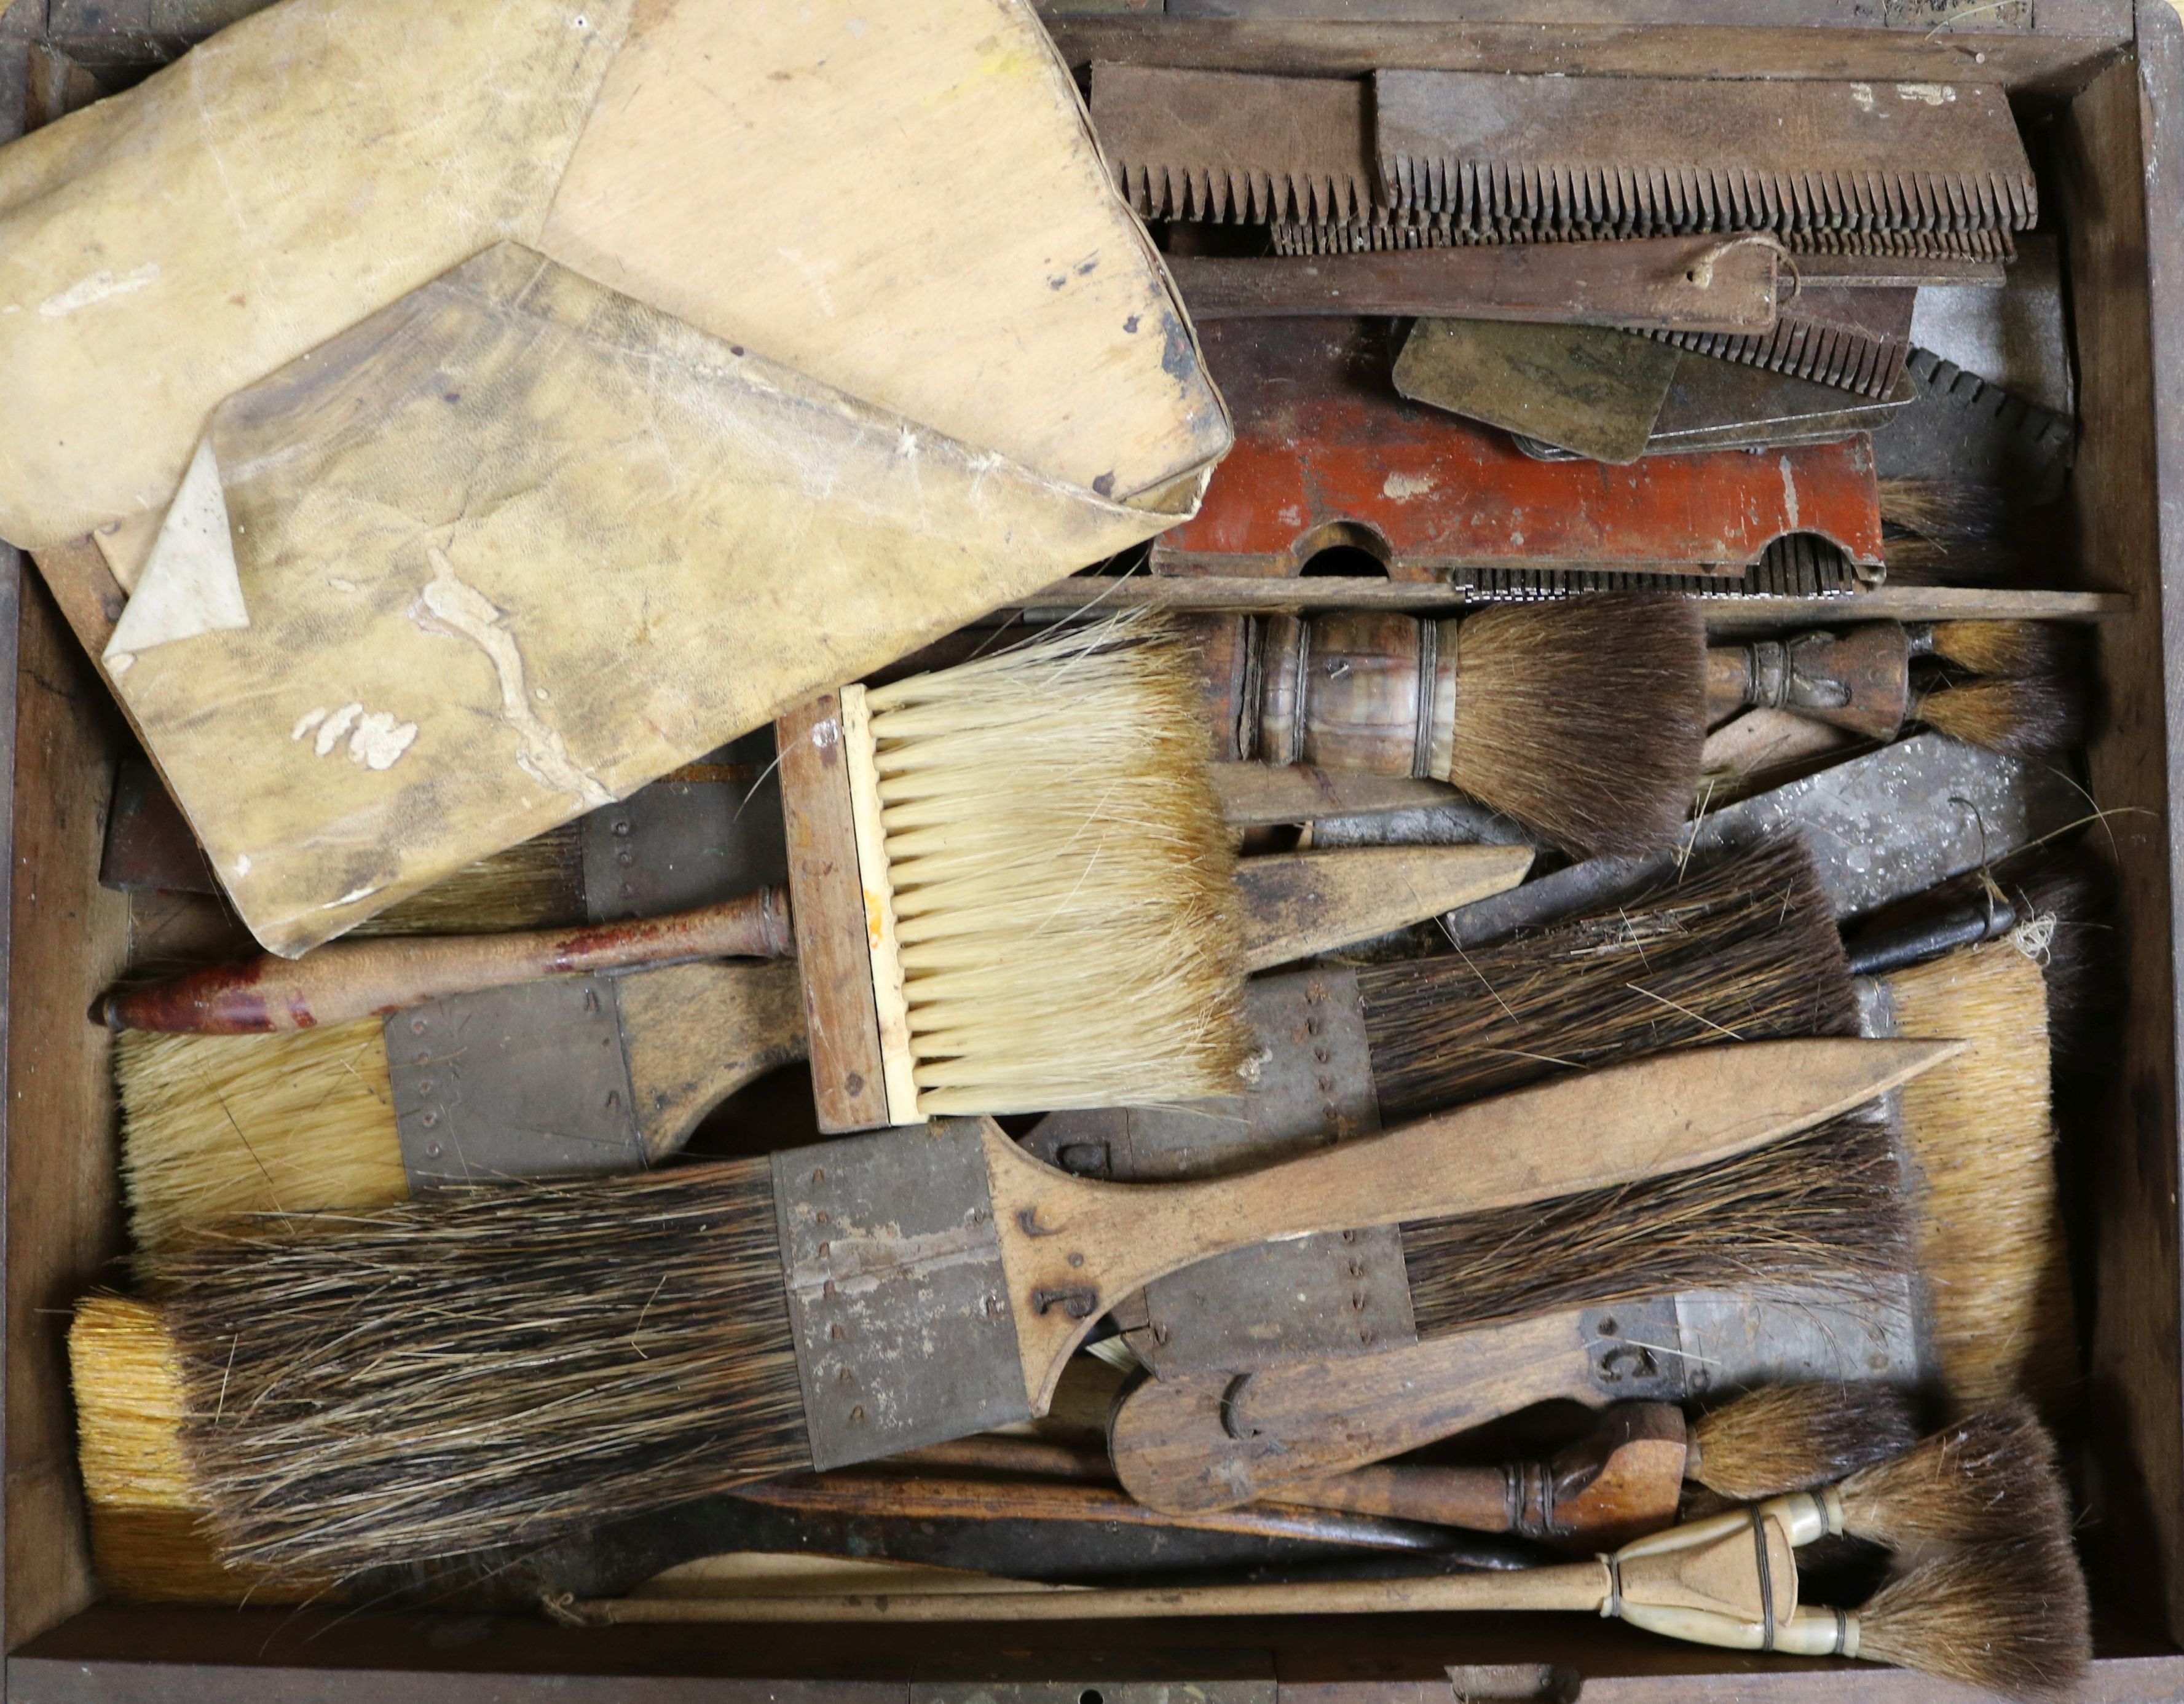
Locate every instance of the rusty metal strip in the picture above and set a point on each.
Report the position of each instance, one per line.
(1645, 155)
(1327, 454)
(1856, 340)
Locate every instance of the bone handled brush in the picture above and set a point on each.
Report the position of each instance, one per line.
(587, 1074)
(1861, 681)
(542, 1357)
(1582, 718)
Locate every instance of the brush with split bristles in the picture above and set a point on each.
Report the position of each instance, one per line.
(497, 1364)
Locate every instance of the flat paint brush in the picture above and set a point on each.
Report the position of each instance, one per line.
(2010, 1616)
(1743, 947)
(1581, 718)
(1980, 1202)
(494, 1365)
(589, 1074)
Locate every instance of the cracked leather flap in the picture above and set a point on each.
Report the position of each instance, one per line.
(516, 545)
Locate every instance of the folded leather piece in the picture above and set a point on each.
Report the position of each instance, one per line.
(517, 544)
(905, 202)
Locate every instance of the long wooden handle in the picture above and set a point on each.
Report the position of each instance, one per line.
(1571, 1586)
(1476, 1498)
(354, 979)
(1216, 1440)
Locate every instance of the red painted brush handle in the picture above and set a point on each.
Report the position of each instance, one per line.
(354, 979)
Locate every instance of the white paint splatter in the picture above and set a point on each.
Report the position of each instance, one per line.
(335, 728)
(1861, 95)
(1402, 487)
(97, 287)
(241, 864)
(826, 733)
(1789, 491)
(1927, 94)
(379, 740)
(310, 719)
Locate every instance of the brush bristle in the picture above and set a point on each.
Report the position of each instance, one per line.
(148, 1538)
(538, 884)
(1978, 1135)
(2010, 650)
(1745, 950)
(1945, 508)
(1071, 930)
(2010, 1616)
(1792, 1437)
(1584, 718)
(2029, 718)
(1823, 1209)
(217, 1125)
(1992, 1476)
(489, 1367)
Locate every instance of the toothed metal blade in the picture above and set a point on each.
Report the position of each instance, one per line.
(1645, 155)
(1856, 340)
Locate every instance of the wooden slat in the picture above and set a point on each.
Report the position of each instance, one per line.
(848, 1073)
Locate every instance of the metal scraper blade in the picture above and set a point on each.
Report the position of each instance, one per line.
(1801, 566)
(1856, 340)
(1228, 147)
(1650, 155)
(1918, 252)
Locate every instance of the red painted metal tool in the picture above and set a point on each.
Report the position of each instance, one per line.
(1326, 454)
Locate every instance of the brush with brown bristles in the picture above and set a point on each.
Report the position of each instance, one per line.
(496, 1364)
(1581, 718)
(2008, 1613)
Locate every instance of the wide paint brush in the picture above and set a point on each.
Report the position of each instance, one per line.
(495, 1365)
(588, 1074)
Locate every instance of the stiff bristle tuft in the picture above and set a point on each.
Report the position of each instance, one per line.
(1824, 1210)
(490, 1366)
(1792, 1437)
(1978, 1133)
(217, 1125)
(537, 884)
(2009, 650)
(1584, 718)
(150, 1538)
(2010, 1616)
(2028, 718)
(1065, 893)
(1941, 508)
(1992, 1476)
(1745, 950)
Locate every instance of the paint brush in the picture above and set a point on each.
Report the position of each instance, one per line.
(502, 1362)
(588, 1074)
(2008, 1615)
(1980, 1202)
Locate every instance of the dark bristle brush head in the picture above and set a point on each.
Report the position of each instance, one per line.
(1584, 718)
(2009, 1615)
(1992, 1476)
(1792, 1437)
(2010, 650)
(599, 1348)
(2035, 718)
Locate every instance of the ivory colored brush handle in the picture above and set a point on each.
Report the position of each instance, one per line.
(354, 979)
(695, 1034)
(1571, 1586)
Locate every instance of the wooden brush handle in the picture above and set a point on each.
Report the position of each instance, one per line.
(1073, 1248)
(1477, 1499)
(1299, 904)
(1350, 690)
(354, 979)
(1859, 681)
(695, 1034)
(1577, 1586)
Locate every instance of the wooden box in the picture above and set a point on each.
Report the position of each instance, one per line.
(2101, 89)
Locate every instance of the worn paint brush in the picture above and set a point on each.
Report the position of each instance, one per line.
(434, 1378)
(2009, 1615)
(588, 1074)
(1581, 718)
(1980, 1198)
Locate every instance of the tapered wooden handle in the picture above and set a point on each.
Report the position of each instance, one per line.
(1297, 904)
(1072, 1247)
(1571, 1586)
(1477, 1499)
(354, 979)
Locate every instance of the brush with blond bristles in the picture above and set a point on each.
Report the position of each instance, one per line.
(497, 1364)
